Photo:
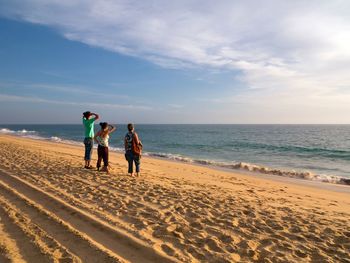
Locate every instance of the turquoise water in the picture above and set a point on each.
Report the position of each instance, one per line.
(320, 152)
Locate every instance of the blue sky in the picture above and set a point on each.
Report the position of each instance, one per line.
(182, 62)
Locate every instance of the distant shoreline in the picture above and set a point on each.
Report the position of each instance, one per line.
(259, 153)
(341, 188)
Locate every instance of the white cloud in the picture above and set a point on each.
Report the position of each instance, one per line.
(65, 89)
(297, 49)
(14, 98)
(83, 90)
(175, 106)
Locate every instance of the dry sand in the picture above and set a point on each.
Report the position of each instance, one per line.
(53, 210)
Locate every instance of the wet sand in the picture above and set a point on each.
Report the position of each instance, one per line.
(54, 210)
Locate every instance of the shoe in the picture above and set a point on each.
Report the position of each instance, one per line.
(104, 169)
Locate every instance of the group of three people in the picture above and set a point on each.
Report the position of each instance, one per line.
(132, 144)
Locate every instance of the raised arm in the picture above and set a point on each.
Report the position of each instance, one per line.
(111, 128)
(96, 116)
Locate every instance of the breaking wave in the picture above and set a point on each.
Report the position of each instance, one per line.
(35, 135)
(256, 169)
(18, 132)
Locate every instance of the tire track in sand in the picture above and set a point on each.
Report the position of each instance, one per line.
(52, 226)
(23, 241)
(88, 238)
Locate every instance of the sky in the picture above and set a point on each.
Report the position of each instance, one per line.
(185, 61)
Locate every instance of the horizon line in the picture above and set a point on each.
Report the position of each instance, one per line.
(182, 123)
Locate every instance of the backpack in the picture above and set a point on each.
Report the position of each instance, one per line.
(136, 148)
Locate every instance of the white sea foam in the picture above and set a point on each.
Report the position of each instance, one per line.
(116, 149)
(4, 131)
(23, 131)
(60, 140)
(55, 139)
(34, 135)
(257, 169)
(19, 132)
(288, 173)
(170, 156)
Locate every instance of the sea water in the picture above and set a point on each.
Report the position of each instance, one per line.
(316, 152)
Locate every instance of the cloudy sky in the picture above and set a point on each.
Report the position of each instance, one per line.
(175, 61)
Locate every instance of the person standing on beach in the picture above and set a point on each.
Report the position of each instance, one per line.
(89, 119)
(102, 138)
(133, 148)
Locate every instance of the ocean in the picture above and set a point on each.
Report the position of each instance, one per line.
(313, 152)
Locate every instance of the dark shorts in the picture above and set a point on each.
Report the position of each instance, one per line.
(89, 143)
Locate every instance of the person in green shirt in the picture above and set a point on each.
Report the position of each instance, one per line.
(89, 119)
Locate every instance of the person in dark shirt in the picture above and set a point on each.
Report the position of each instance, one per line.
(131, 155)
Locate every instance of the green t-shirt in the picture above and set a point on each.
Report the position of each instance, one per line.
(89, 127)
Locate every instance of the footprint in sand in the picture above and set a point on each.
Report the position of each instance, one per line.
(213, 245)
(197, 225)
(168, 250)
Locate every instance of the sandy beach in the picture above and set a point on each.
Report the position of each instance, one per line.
(54, 210)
